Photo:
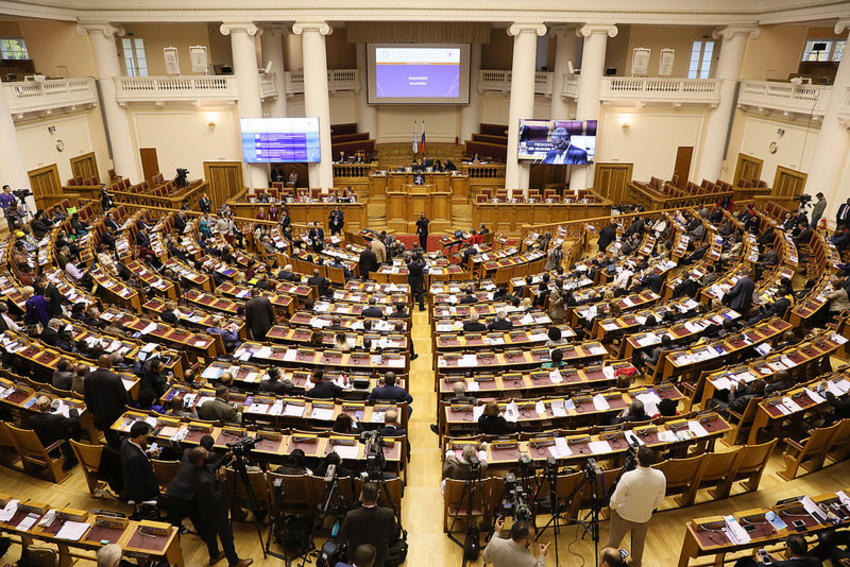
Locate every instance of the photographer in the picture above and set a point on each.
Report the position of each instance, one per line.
(9, 204)
(370, 523)
(513, 551)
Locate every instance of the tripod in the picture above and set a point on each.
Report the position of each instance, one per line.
(471, 488)
(555, 508)
(590, 522)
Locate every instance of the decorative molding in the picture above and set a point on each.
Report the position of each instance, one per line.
(105, 28)
(517, 28)
(274, 29)
(562, 30)
(323, 28)
(842, 25)
(248, 27)
(587, 29)
(728, 32)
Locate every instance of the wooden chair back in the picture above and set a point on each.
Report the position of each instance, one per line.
(751, 465)
(164, 472)
(89, 459)
(36, 457)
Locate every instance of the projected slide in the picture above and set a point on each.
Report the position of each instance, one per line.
(417, 72)
(280, 140)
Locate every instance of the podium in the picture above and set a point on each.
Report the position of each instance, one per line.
(408, 201)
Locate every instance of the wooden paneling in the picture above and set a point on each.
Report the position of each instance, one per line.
(611, 180)
(225, 180)
(509, 218)
(682, 169)
(45, 180)
(84, 166)
(150, 162)
(788, 182)
(747, 168)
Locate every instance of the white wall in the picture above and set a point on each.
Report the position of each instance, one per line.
(395, 122)
(795, 151)
(493, 108)
(183, 137)
(651, 140)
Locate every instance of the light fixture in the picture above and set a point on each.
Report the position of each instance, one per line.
(625, 124)
(211, 118)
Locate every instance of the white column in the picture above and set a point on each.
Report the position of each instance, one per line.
(590, 85)
(367, 113)
(124, 158)
(566, 49)
(833, 142)
(11, 158)
(717, 125)
(272, 49)
(316, 99)
(522, 98)
(470, 114)
(248, 85)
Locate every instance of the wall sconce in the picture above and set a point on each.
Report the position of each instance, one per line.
(211, 117)
(625, 124)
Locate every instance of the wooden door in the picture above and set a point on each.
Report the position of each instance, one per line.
(788, 182)
(45, 180)
(611, 180)
(224, 179)
(150, 163)
(85, 166)
(748, 168)
(683, 164)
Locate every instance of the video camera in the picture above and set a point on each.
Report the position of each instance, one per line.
(181, 179)
(804, 199)
(242, 447)
(22, 194)
(375, 459)
(515, 500)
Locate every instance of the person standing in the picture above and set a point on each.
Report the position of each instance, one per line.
(818, 209)
(336, 221)
(842, 217)
(368, 262)
(140, 484)
(259, 315)
(205, 204)
(211, 502)
(370, 524)
(639, 492)
(380, 251)
(513, 551)
(105, 398)
(740, 297)
(422, 231)
(416, 279)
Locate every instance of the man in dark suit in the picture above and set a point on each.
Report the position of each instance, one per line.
(218, 409)
(740, 297)
(286, 274)
(688, 287)
(370, 523)
(316, 235)
(105, 397)
(416, 279)
(210, 493)
(180, 222)
(323, 389)
(473, 325)
(422, 232)
(468, 297)
(204, 203)
(52, 295)
(796, 555)
(259, 315)
(607, 235)
(501, 322)
(336, 221)
(389, 391)
(564, 152)
(320, 282)
(372, 310)
(140, 484)
(842, 216)
(53, 427)
(368, 262)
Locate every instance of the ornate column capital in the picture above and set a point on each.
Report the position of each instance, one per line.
(517, 28)
(588, 29)
(842, 25)
(728, 32)
(228, 28)
(104, 28)
(323, 28)
(562, 30)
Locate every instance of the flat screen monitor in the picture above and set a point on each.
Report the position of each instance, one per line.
(557, 142)
(280, 140)
(418, 73)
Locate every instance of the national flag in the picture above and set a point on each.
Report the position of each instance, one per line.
(422, 143)
(415, 138)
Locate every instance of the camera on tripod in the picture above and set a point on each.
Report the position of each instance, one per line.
(242, 447)
(515, 500)
(375, 459)
(804, 199)
(22, 194)
(181, 179)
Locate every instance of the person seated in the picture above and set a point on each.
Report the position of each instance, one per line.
(370, 524)
(372, 310)
(556, 360)
(321, 283)
(295, 464)
(501, 322)
(459, 467)
(390, 391)
(688, 287)
(667, 408)
(610, 557)
(473, 325)
(654, 355)
(345, 423)
(468, 296)
(52, 427)
(635, 412)
(341, 342)
(63, 376)
(796, 555)
(286, 274)
(400, 311)
(363, 556)
(272, 384)
(324, 389)
(218, 409)
(169, 315)
(778, 382)
(492, 422)
(334, 459)
(555, 337)
(392, 427)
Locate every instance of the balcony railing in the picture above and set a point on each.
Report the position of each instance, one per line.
(808, 100)
(658, 89)
(179, 88)
(494, 80)
(339, 80)
(38, 96)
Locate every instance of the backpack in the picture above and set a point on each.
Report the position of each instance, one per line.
(295, 533)
(397, 551)
(330, 554)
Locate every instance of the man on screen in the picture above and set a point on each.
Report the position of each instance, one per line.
(564, 152)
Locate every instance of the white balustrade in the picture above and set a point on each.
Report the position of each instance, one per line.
(339, 80)
(53, 94)
(186, 88)
(810, 100)
(494, 80)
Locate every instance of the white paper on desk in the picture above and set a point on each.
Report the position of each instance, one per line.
(610, 326)
(555, 376)
(245, 355)
(473, 386)
(648, 339)
(840, 339)
(72, 530)
(641, 319)
(558, 408)
(277, 408)
(346, 451)
(692, 327)
(776, 366)
(540, 408)
(28, 522)
(815, 397)
(843, 384)
(747, 377)
(477, 411)
(293, 410)
(600, 403)
(569, 404)
(811, 508)
(380, 416)
(667, 436)
(608, 371)
(787, 361)
(721, 383)
(149, 329)
(560, 449)
(783, 409)
(735, 532)
(526, 320)
(597, 447)
(632, 438)
(9, 511)
(597, 350)
(845, 500)
(511, 412)
(264, 352)
(290, 355)
(697, 429)
(832, 387)
(324, 414)
(258, 408)
(469, 360)
(650, 402)
(791, 404)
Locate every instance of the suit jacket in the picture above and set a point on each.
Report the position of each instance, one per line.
(55, 300)
(320, 282)
(211, 499)
(771, 258)
(468, 299)
(259, 315)
(393, 393)
(687, 288)
(105, 396)
(218, 409)
(380, 251)
(278, 387)
(415, 271)
(456, 469)
(51, 427)
(606, 237)
(501, 325)
(740, 297)
(182, 486)
(421, 229)
(368, 263)
(372, 311)
(325, 391)
(139, 479)
(179, 223)
(474, 327)
(572, 155)
(376, 526)
(843, 214)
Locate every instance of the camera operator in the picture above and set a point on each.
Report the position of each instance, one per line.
(610, 557)
(638, 493)
(513, 551)
(10, 206)
(466, 466)
(818, 209)
(370, 523)
(363, 556)
(211, 502)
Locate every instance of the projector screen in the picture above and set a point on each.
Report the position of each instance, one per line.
(418, 73)
(557, 142)
(280, 140)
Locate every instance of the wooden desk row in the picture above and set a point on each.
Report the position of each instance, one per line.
(681, 331)
(206, 345)
(445, 318)
(321, 358)
(299, 291)
(606, 329)
(284, 303)
(523, 337)
(199, 318)
(574, 354)
(283, 333)
(21, 398)
(626, 303)
(350, 322)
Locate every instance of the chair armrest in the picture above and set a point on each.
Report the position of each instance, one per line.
(54, 445)
(791, 443)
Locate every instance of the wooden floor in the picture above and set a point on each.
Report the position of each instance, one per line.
(429, 547)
